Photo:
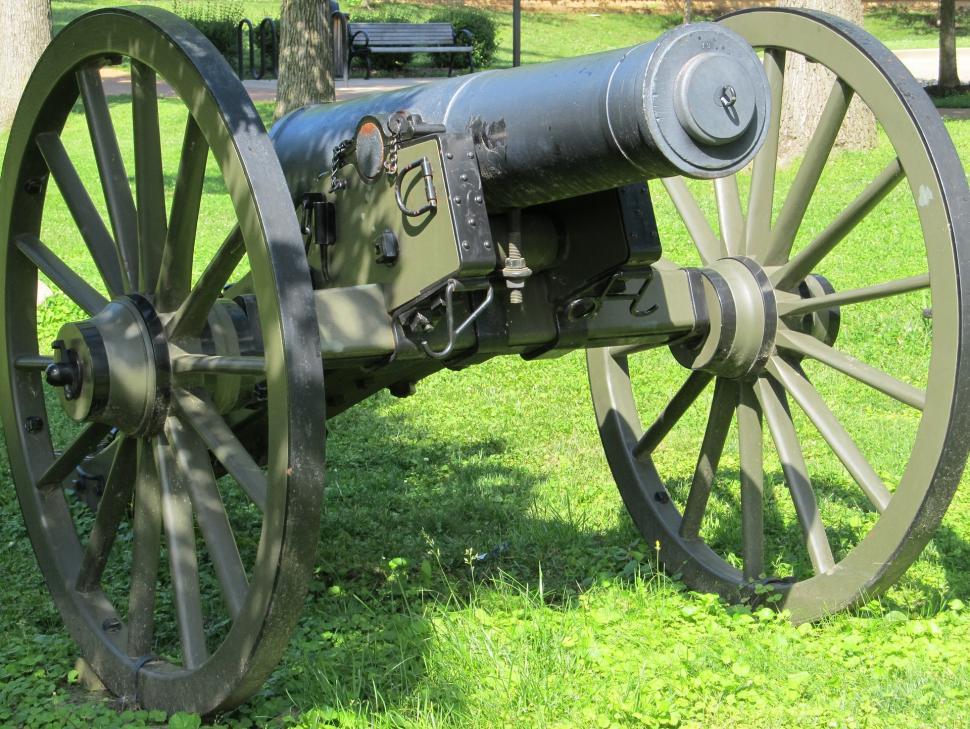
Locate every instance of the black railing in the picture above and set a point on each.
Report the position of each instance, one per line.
(264, 39)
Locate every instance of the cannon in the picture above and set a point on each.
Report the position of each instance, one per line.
(181, 399)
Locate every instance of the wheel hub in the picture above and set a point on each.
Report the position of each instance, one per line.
(743, 319)
(114, 367)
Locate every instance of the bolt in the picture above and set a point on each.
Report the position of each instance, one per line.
(111, 625)
(33, 424)
(728, 97)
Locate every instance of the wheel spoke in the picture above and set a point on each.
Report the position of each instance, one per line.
(762, 191)
(111, 167)
(192, 458)
(718, 424)
(699, 229)
(811, 255)
(175, 276)
(809, 346)
(74, 287)
(146, 548)
(190, 317)
(750, 449)
(674, 411)
(183, 564)
(800, 387)
(729, 214)
(83, 445)
(201, 415)
(218, 364)
(806, 179)
(86, 216)
(854, 296)
(774, 404)
(149, 179)
(112, 507)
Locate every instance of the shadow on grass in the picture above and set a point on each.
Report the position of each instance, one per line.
(415, 520)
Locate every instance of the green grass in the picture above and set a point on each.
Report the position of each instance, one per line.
(477, 569)
(557, 35)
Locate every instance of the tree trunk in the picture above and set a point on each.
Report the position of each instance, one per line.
(807, 87)
(25, 31)
(949, 79)
(306, 55)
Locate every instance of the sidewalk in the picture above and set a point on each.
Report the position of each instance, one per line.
(117, 82)
(921, 62)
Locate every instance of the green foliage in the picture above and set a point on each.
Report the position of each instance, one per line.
(216, 19)
(483, 31)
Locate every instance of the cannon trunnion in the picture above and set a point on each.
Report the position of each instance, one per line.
(183, 389)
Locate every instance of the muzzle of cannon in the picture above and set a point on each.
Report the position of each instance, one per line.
(183, 386)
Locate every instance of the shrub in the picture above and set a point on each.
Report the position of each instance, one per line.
(216, 19)
(482, 28)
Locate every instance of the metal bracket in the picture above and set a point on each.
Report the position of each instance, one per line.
(453, 331)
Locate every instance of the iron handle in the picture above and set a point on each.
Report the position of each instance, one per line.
(429, 191)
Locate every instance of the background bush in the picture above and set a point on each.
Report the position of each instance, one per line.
(216, 19)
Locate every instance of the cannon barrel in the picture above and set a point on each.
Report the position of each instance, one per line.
(693, 102)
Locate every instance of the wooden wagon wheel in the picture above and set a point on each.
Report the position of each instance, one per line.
(788, 319)
(157, 367)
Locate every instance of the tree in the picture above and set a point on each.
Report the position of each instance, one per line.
(948, 45)
(25, 31)
(306, 55)
(807, 87)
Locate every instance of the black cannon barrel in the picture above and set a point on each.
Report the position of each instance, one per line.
(693, 102)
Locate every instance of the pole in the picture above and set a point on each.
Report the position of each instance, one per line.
(516, 32)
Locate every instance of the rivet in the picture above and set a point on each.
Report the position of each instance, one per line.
(470, 155)
(465, 245)
(488, 244)
(449, 155)
(456, 200)
(33, 424)
(463, 177)
(471, 220)
(478, 199)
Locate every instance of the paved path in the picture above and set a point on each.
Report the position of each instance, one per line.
(921, 62)
(924, 63)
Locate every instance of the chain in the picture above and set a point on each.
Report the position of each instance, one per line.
(390, 164)
(336, 162)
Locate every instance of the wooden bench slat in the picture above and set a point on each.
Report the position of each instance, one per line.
(421, 49)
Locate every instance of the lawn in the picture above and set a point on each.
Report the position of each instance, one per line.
(477, 568)
(557, 35)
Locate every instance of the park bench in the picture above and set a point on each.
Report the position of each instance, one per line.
(369, 38)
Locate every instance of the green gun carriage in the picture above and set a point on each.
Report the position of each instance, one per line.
(378, 241)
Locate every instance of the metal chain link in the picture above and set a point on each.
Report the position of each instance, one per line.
(390, 163)
(337, 162)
